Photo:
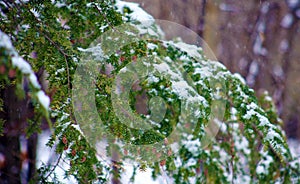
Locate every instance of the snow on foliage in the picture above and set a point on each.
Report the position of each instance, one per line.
(247, 126)
(249, 148)
(19, 63)
(137, 12)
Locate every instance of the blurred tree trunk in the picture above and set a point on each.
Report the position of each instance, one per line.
(10, 143)
(10, 148)
(15, 114)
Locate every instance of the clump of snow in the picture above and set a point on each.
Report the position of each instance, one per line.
(264, 164)
(21, 64)
(153, 79)
(239, 77)
(265, 7)
(77, 127)
(180, 85)
(192, 50)
(221, 124)
(43, 99)
(242, 145)
(260, 169)
(25, 68)
(278, 71)
(34, 81)
(5, 41)
(191, 145)
(295, 151)
(138, 13)
(203, 71)
(146, 21)
(35, 13)
(151, 46)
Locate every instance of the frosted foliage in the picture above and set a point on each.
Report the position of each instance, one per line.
(25, 69)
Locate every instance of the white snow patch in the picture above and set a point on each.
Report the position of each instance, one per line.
(138, 13)
(192, 146)
(151, 46)
(77, 127)
(21, 64)
(43, 99)
(240, 78)
(204, 71)
(192, 50)
(153, 79)
(260, 169)
(35, 13)
(34, 81)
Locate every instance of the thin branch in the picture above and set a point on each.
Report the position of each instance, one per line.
(54, 167)
(104, 15)
(53, 43)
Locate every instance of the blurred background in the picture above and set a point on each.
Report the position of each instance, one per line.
(259, 39)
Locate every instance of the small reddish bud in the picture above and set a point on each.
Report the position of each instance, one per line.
(66, 147)
(134, 58)
(73, 152)
(162, 162)
(83, 159)
(12, 73)
(64, 140)
(125, 152)
(122, 58)
(2, 69)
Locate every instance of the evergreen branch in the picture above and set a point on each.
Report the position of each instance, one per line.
(54, 44)
(105, 17)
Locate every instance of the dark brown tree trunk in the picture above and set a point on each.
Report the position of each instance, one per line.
(10, 148)
(15, 113)
(31, 147)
